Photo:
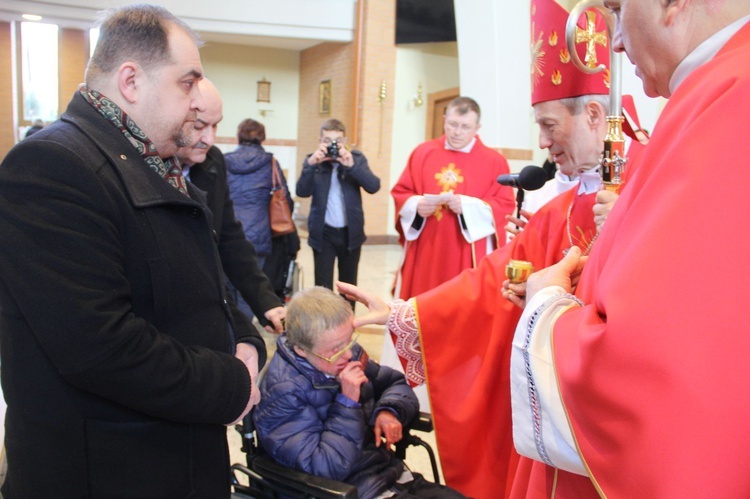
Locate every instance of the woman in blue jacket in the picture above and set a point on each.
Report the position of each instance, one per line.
(249, 171)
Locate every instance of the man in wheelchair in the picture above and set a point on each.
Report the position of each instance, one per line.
(329, 411)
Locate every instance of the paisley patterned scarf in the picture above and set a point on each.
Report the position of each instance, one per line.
(169, 168)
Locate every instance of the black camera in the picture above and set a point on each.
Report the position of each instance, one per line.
(333, 150)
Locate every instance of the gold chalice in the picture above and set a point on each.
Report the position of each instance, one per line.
(517, 271)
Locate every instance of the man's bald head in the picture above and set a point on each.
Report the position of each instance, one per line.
(214, 102)
(657, 36)
(204, 135)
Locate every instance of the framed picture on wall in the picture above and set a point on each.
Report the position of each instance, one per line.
(324, 104)
(264, 90)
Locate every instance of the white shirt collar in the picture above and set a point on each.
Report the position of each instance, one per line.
(591, 181)
(186, 171)
(466, 149)
(564, 182)
(704, 53)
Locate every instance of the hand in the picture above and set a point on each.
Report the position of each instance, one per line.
(345, 157)
(426, 207)
(276, 316)
(576, 276)
(454, 204)
(249, 356)
(564, 274)
(352, 377)
(515, 293)
(605, 200)
(378, 308)
(389, 427)
(518, 223)
(319, 155)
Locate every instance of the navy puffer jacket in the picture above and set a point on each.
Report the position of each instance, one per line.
(304, 421)
(249, 177)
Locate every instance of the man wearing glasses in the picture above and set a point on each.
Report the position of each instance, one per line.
(334, 176)
(329, 411)
(449, 206)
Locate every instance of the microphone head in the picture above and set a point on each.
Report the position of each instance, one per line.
(532, 178)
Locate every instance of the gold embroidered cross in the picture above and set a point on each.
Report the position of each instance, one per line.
(591, 37)
(447, 178)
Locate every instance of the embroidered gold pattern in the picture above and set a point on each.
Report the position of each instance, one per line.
(564, 56)
(580, 240)
(447, 178)
(556, 77)
(591, 38)
(537, 56)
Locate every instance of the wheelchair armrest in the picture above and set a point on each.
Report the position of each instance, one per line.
(422, 422)
(300, 481)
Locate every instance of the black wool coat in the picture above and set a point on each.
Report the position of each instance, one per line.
(115, 336)
(238, 257)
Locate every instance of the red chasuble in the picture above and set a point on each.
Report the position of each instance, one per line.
(441, 251)
(652, 370)
(466, 329)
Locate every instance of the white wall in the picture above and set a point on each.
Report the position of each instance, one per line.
(236, 70)
(493, 49)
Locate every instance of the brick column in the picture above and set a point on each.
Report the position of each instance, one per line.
(73, 57)
(336, 62)
(376, 118)
(7, 130)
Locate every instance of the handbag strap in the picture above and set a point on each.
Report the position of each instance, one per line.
(275, 177)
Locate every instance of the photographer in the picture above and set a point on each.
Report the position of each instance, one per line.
(334, 176)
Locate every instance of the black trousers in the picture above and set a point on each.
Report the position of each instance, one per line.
(334, 247)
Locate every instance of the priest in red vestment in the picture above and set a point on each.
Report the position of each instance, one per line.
(633, 387)
(450, 208)
(457, 337)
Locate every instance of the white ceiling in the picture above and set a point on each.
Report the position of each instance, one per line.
(297, 44)
(283, 24)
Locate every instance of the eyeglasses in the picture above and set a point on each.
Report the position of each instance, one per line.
(328, 141)
(455, 126)
(333, 358)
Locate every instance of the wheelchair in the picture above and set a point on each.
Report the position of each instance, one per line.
(264, 478)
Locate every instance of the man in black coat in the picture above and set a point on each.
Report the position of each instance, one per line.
(122, 361)
(334, 176)
(203, 163)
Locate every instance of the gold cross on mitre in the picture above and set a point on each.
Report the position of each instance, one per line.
(591, 37)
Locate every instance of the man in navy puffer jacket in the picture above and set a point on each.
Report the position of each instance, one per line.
(328, 410)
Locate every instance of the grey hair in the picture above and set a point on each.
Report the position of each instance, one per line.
(575, 105)
(312, 312)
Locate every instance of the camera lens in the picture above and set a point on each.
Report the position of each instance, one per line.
(333, 150)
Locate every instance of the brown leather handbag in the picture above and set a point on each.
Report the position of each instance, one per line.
(278, 208)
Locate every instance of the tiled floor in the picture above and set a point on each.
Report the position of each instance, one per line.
(377, 269)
